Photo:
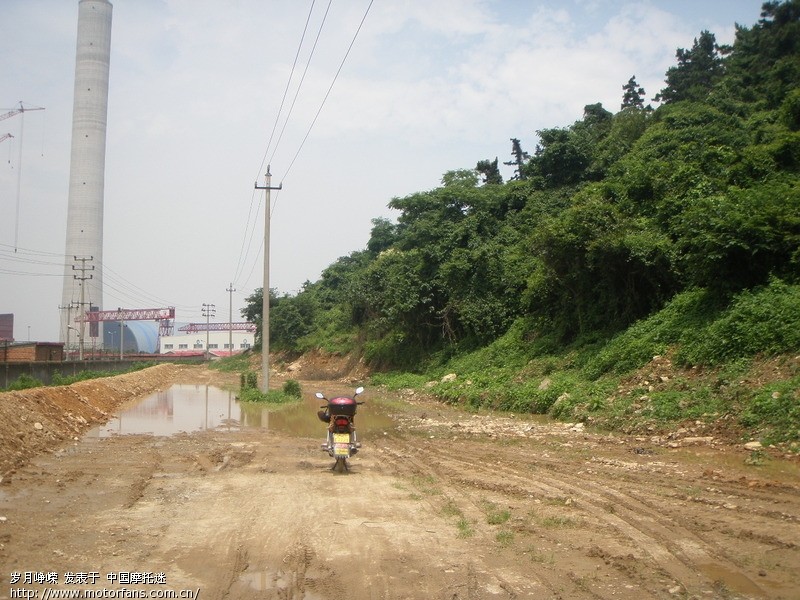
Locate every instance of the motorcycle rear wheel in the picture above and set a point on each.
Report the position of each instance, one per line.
(340, 466)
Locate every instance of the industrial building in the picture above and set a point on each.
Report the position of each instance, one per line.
(220, 339)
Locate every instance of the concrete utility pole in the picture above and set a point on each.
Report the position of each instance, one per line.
(265, 300)
(209, 310)
(67, 321)
(230, 291)
(83, 279)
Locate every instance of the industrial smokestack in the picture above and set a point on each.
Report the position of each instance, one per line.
(83, 281)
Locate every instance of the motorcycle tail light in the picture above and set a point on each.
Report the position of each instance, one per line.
(342, 421)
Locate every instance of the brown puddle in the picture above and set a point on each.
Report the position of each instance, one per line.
(188, 408)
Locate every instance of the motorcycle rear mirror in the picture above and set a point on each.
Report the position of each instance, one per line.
(320, 395)
(359, 390)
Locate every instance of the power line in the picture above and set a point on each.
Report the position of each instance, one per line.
(247, 239)
(36, 252)
(335, 77)
(29, 273)
(249, 232)
(286, 90)
(126, 291)
(302, 79)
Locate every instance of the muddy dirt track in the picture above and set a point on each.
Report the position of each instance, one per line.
(446, 505)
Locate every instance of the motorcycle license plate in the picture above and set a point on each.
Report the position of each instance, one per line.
(341, 444)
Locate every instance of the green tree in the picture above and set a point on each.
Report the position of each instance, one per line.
(633, 96)
(567, 156)
(520, 159)
(737, 240)
(253, 311)
(460, 178)
(382, 236)
(596, 269)
(490, 172)
(698, 69)
(291, 318)
(765, 65)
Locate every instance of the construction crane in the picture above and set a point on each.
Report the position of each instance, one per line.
(16, 111)
(3, 138)
(164, 317)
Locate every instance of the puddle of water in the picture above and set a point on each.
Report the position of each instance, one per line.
(733, 464)
(188, 408)
(284, 582)
(737, 581)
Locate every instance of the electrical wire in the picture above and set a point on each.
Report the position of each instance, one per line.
(125, 291)
(302, 79)
(243, 260)
(335, 77)
(286, 90)
(30, 273)
(247, 240)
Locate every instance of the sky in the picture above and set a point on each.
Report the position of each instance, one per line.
(204, 95)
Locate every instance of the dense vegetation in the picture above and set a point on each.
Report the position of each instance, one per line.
(669, 230)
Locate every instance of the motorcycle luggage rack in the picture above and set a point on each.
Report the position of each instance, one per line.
(342, 406)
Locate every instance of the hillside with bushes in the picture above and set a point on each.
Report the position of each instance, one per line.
(668, 231)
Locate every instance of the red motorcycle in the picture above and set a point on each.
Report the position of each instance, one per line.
(342, 442)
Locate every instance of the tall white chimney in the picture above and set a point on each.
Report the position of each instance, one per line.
(84, 245)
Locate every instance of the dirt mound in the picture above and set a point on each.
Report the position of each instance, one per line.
(320, 365)
(37, 419)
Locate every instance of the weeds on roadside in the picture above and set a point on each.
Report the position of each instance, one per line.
(539, 557)
(24, 382)
(495, 516)
(530, 370)
(554, 522)
(504, 537)
(426, 485)
(450, 509)
(271, 397)
(465, 529)
(756, 458)
(231, 364)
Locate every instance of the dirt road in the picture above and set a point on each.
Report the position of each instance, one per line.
(446, 505)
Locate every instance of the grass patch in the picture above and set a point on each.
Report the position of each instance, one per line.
(450, 509)
(494, 515)
(556, 522)
(271, 397)
(426, 485)
(398, 381)
(59, 379)
(756, 458)
(465, 529)
(538, 556)
(24, 382)
(504, 537)
(774, 412)
(232, 364)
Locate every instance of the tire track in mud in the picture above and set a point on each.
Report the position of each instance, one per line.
(151, 465)
(695, 565)
(406, 463)
(646, 525)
